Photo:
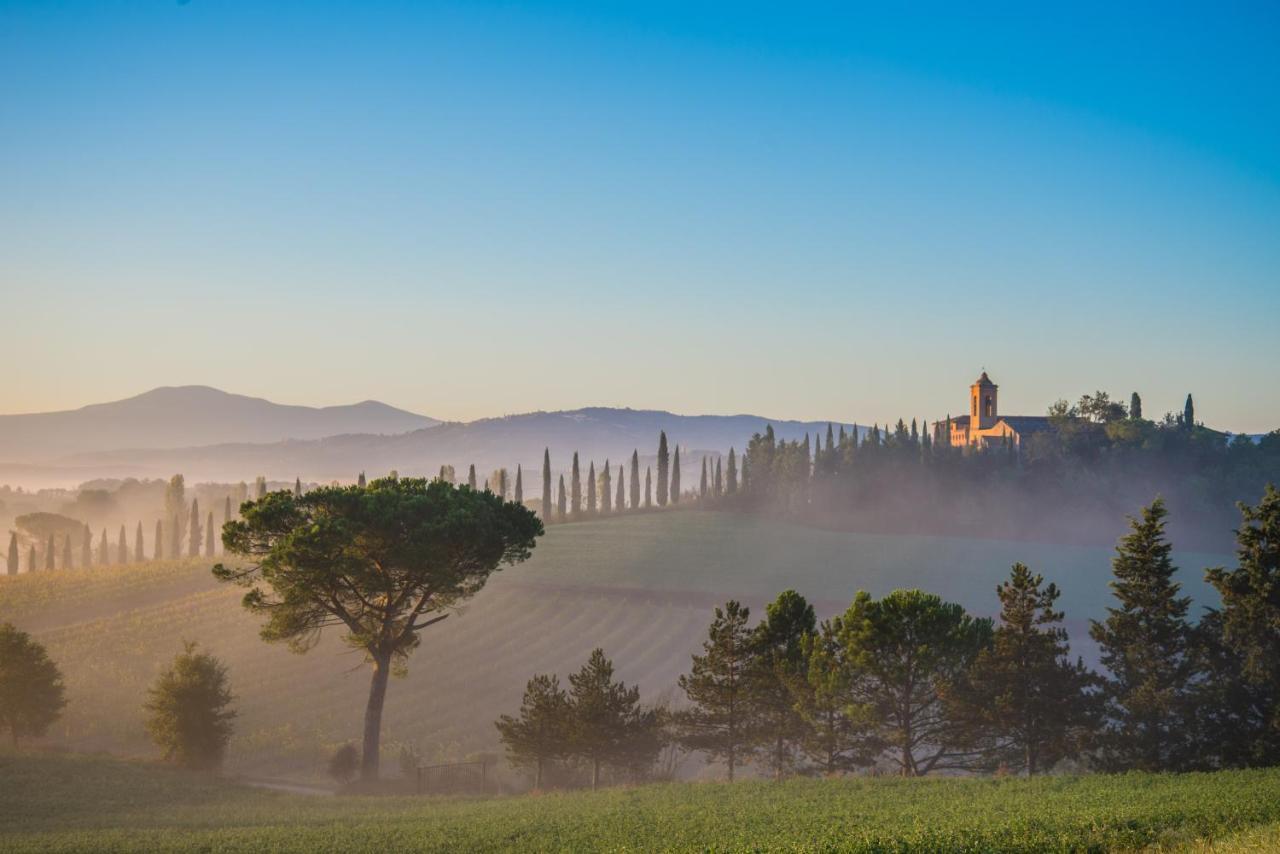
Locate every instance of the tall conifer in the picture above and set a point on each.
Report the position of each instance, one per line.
(66, 551)
(122, 548)
(719, 722)
(648, 487)
(664, 469)
(104, 551)
(731, 485)
(471, 476)
(575, 488)
(51, 550)
(193, 547)
(718, 483)
(675, 476)
(1135, 406)
(702, 481)
(546, 483)
(619, 499)
(13, 553)
(158, 547)
(560, 501)
(208, 536)
(591, 488)
(139, 554)
(606, 489)
(635, 479)
(86, 548)
(1188, 414)
(519, 496)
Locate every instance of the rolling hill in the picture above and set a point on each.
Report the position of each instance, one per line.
(642, 587)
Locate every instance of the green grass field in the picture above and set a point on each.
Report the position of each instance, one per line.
(641, 587)
(71, 803)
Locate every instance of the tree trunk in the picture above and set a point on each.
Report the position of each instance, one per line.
(373, 717)
(537, 775)
(595, 773)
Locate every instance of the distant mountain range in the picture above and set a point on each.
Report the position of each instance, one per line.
(186, 416)
(211, 435)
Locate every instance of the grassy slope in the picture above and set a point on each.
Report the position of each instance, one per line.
(95, 804)
(640, 586)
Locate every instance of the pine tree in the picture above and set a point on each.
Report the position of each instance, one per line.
(13, 553)
(1188, 414)
(1144, 644)
(546, 483)
(540, 735)
(648, 487)
(731, 484)
(664, 469)
(591, 488)
(619, 499)
(139, 554)
(471, 476)
(560, 501)
(575, 489)
(719, 724)
(122, 548)
(675, 477)
(1024, 699)
(777, 666)
(841, 734)
(51, 549)
(606, 489)
(208, 536)
(66, 551)
(1135, 406)
(635, 479)
(702, 481)
(193, 547)
(607, 724)
(159, 544)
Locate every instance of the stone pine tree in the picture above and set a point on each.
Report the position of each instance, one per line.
(608, 727)
(575, 488)
(1024, 698)
(1188, 414)
(675, 476)
(539, 735)
(189, 714)
(606, 489)
(777, 667)
(1135, 406)
(519, 490)
(1144, 644)
(193, 547)
(591, 488)
(702, 481)
(13, 553)
(31, 691)
(158, 546)
(139, 552)
(122, 548)
(619, 499)
(719, 723)
(546, 484)
(561, 501)
(731, 481)
(648, 486)
(841, 732)
(383, 563)
(1248, 630)
(664, 469)
(635, 479)
(208, 536)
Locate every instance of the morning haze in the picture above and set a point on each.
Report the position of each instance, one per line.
(657, 427)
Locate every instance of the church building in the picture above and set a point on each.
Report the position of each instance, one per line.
(984, 426)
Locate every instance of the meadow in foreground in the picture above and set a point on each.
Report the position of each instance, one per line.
(72, 803)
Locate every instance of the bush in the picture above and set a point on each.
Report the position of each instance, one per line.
(189, 716)
(344, 764)
(31, 694)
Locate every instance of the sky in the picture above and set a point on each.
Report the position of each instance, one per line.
(797, 210)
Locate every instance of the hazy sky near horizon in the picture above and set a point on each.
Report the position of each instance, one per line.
(795, 210)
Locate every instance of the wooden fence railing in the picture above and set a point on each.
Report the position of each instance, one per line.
(452, 777)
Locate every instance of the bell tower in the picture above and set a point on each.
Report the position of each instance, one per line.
(982, 403)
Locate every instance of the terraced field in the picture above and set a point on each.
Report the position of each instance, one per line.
(641, 587)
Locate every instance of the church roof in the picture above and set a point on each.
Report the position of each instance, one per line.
(1024, 424)
(984, 380)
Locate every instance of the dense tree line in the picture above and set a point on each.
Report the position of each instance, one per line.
(1069, 481)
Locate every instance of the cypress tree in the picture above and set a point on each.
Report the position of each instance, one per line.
(1135, 406)
(575, 489)
(606, 489)
(226, 511)
(519, 496)
(702, 481)
(546, 483)
(175, 542)
(560, 501)
(648, 487)
(635, 479)
(1188, 414)
(86, 548)
(360, 481)
(13, 553)
(66, 551)
(104, 551)
(193, 545)
(743, 477)
(158, 549)
(718, 482)
(731, 485)
(122, 548)
(139, 555)
(260, 487)
(591, 488)
(664, 469)
(1144, 644)
(675, 477)
(31, 558)
(471, 476)
(208, 536)
(51, 550)
(297, 488)
(618, 499)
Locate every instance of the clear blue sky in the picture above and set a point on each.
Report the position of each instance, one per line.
(788, 209)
